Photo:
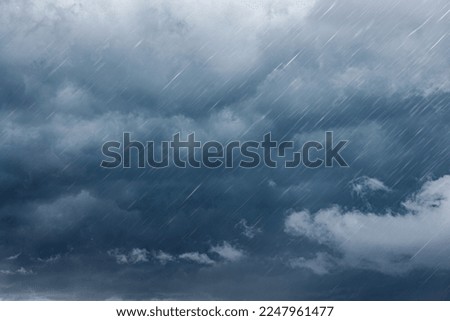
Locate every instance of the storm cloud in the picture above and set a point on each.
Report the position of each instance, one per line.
(75, 74)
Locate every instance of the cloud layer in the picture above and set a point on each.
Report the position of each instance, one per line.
(77, 73)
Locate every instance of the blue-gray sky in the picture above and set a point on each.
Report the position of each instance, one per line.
(75, 74)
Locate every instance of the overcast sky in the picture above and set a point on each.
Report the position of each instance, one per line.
(75, 74)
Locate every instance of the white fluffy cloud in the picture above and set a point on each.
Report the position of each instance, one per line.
(418, 237)
(228, 252)
(197, 257)
(249, 231)
(225, 251)
(163, 257)
(364, 185)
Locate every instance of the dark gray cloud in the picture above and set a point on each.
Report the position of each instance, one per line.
(76, 74)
